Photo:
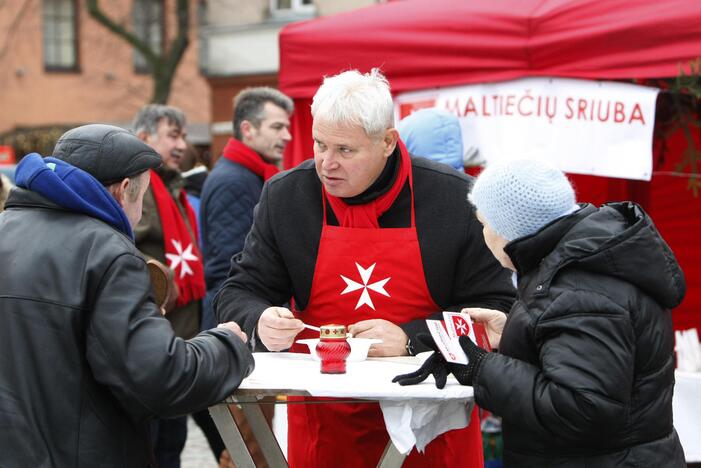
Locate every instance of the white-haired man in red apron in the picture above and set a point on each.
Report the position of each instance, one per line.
(367, 237)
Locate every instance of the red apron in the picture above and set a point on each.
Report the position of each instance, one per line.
(366, 274)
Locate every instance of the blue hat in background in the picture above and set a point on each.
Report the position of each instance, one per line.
(434, 134)
(518, 198)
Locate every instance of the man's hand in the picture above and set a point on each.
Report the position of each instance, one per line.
(493, 321)
(234, 327)
(277, 328)
(393, 338)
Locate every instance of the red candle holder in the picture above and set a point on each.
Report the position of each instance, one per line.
(333, 349)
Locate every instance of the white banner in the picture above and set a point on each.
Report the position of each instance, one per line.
(580, 126)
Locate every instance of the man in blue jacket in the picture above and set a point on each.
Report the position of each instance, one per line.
(261, 131)
(261, 124)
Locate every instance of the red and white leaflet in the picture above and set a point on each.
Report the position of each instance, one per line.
(482, 337)
(448, 347)
(459, 324)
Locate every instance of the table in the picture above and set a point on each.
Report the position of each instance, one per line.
(687, 413)
(291, 374)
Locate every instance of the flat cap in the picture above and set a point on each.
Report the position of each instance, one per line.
(108, 153)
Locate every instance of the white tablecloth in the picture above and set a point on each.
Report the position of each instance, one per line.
(687, 413)
(414, 414)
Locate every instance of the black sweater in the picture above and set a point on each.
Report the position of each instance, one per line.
(280, 252)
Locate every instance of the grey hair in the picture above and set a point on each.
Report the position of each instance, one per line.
(249, 105)
(353, 98)
(133, 188)
(149, 116)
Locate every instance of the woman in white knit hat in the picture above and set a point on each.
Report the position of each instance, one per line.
(584, 375)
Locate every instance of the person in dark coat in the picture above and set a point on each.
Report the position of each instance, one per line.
(86, 359)
(585, 370)
(168, 233)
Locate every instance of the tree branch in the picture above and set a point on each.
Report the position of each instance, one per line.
(163, 65)
(182, 40)
(15, 25)
(99, 15)
(176, 50)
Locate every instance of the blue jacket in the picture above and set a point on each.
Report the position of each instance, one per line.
(229, 195)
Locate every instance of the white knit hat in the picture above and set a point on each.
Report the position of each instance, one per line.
(519, 197)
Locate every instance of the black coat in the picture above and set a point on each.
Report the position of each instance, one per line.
(85, 356)
(586, 371)
(280, 252)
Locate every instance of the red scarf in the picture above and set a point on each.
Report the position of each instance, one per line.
(237, 152)
(367, 214)
(182, 254)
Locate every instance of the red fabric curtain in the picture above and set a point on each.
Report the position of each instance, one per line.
(302, 145)
(677, 215)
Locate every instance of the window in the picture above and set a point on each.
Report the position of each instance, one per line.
(148, 26)
(60, 35)
(291, 6)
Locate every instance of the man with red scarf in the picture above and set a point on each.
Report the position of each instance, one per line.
(367, 237)
(261, 124)
(167, 232)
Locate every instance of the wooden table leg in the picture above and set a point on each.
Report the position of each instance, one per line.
(231, 436)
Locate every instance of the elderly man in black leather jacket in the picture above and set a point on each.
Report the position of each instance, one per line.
(86, 359)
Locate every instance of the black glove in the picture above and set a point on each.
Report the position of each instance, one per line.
(466, 373)
(435, 365)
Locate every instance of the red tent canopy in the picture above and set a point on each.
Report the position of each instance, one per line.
(421, 44)
(425, 43)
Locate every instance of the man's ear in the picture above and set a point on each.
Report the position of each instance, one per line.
(142, 135)
(119, 191)
(389, 141)
(246, 129)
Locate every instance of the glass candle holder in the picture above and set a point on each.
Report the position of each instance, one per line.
(333, 349)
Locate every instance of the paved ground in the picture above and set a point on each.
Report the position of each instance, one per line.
(196, 453)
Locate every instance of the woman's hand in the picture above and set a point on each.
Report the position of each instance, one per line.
(493, 321)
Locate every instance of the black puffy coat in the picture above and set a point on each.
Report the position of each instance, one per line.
(585, 373)
(85, 356)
